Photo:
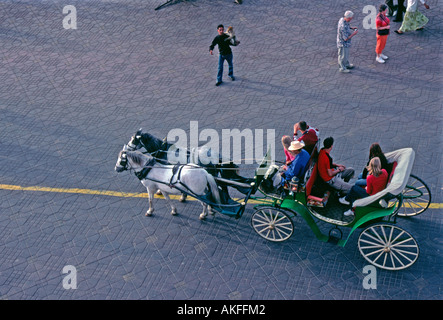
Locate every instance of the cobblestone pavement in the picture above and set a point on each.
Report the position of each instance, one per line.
(70, 99)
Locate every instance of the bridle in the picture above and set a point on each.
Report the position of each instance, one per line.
(134, 142)
(122, 164)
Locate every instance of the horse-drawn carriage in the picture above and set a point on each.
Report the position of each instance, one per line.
(381, 241)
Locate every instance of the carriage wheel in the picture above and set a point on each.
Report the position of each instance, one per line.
(272, 224)
(416, 197)
(388, 247)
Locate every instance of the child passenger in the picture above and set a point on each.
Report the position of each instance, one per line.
(286, 142)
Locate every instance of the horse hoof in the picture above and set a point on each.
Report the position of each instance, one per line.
(182, 198)
(202, 217)
(149, 213)
(158, 192)
(174, 212)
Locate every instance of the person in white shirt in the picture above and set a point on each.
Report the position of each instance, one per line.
(414, 19)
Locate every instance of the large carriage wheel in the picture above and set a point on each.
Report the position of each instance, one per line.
(388, 247)
(416, 197)
(273, 224)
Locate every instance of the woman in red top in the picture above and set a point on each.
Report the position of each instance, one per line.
(376, 181)
(382, 25)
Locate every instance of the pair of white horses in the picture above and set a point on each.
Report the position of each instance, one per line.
(169, 179)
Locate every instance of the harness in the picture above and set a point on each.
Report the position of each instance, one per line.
(176, 170)
(141, 175)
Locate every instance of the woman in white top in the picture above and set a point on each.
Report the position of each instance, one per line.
(414, 19)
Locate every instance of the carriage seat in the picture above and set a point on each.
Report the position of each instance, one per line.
(385, 199)
(317, 191)
(394, 165)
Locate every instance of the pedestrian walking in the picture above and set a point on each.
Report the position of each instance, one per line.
(344, 35)
(400, 11)
(382, 27)
(225, 53)
(414, 19)
(391, 7)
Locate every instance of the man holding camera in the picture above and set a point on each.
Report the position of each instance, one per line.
(344, 36)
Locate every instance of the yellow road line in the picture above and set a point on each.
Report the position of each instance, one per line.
(132, 194)
(75, 190)
(91, 192)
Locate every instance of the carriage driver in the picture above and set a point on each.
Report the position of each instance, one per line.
(297, 167)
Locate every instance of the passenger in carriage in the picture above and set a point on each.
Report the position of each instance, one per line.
(309, 136)
(286, 142)
(298, 166)
(376, 181)
(374, 151)
(336, 176)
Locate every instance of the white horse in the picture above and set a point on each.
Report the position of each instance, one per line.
(167, 178)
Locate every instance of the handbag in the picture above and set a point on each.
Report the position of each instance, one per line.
(383, 32)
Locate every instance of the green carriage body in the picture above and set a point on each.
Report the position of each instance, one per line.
(381, 242)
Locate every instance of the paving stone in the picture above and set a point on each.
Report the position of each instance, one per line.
(70, 99)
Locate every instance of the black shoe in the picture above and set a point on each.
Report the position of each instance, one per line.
(218, 83)
(232, 78)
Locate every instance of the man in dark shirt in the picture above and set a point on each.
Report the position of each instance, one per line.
(225, 53)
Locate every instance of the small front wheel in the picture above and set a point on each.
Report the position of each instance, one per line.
(388, 247)
(273, 224)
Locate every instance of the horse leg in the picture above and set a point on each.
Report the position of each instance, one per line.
(168, 200)
(183, 197)
(151, 198)
(204, 213)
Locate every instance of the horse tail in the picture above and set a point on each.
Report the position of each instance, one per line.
(213, 187)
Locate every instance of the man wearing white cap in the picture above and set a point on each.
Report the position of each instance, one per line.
(297, 167)
(344, 36)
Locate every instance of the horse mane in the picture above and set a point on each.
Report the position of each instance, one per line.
(138, 158)
(151, 142)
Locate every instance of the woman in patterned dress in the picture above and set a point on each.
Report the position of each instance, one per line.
(414, 19)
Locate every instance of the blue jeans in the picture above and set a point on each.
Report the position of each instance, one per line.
(356, 193)
(360, 181)
(221, 60)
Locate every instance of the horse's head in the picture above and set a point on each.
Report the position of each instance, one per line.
(134, 160)
(122, 161)
(135, 142)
